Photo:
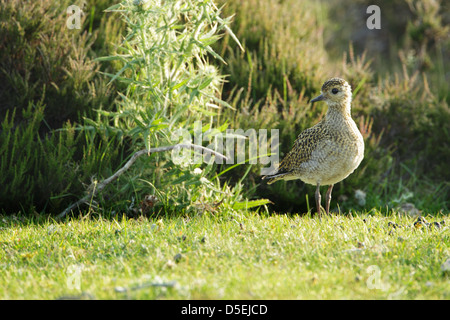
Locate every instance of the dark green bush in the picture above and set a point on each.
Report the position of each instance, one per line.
(46, 174)
(39, 53)
(282, 41)
(47, 77)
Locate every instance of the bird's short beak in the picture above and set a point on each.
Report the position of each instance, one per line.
(319, 98)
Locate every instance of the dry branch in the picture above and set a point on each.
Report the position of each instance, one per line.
(127, 165)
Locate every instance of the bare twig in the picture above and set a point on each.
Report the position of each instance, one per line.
(127, 165)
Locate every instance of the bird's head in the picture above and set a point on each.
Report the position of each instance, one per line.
(335, 92)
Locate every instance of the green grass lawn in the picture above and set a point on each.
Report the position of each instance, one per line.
(225, 256)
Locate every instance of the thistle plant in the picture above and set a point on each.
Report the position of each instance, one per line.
(165, 57)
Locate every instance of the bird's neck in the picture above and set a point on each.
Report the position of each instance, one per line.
(339, 111)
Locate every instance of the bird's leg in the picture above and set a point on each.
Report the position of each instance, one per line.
(328, 199)
(318, 199)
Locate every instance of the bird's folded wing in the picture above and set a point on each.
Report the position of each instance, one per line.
(306, 142)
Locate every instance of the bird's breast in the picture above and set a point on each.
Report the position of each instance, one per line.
(334, 158)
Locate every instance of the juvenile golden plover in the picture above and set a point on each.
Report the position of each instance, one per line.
(329, 151)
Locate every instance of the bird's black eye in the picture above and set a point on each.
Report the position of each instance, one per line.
(334, 90)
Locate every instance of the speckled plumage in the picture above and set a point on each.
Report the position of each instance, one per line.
(329, 151)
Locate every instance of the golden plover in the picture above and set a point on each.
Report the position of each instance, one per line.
(329, 151)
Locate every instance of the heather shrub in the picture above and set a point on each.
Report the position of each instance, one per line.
(282, 41)
(42, 59)
(49, 80)
(47, 173)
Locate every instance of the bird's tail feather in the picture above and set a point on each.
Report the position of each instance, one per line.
(274, 177)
